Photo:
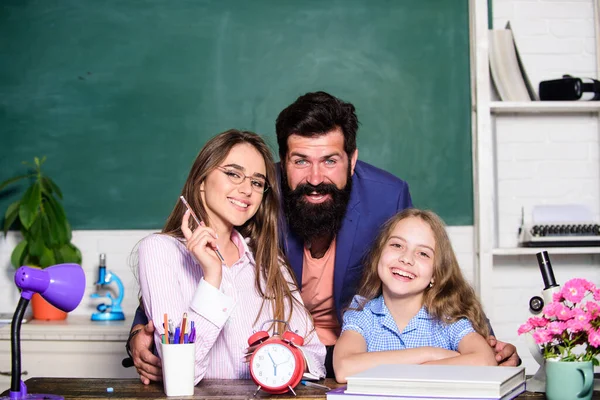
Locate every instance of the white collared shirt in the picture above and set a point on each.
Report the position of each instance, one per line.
(171, 281)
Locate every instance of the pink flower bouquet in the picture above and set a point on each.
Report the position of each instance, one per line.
(571, 320)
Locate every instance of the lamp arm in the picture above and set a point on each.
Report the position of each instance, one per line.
(15, 345)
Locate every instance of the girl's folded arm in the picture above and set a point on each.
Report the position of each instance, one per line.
(350, 355)
(473, 349)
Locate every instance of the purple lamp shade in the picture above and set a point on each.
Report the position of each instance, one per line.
(61, 285)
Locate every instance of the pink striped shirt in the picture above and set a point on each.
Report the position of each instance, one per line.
(171, 282)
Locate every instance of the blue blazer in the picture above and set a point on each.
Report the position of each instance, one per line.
(376, 196)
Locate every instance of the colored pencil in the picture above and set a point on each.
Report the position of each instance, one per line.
(166, 329)
(183, 323)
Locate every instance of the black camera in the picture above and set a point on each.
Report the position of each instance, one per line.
(570, 88)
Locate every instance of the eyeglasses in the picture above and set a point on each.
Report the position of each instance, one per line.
(259, 185)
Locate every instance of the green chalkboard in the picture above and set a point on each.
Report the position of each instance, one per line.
(120, 95)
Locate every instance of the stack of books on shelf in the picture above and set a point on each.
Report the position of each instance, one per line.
(506, 67)
(436, 382)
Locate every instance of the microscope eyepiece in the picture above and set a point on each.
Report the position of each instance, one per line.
(546, 270)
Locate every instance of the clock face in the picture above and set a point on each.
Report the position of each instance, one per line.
(273, 365)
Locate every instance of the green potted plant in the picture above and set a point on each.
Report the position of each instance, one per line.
(43, 224)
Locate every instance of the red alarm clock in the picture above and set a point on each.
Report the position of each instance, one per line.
(276, 365)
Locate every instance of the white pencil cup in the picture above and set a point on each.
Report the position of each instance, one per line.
(178, 368)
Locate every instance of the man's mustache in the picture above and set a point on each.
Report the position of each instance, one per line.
(321, 188)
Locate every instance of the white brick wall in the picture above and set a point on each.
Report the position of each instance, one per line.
(543, 159)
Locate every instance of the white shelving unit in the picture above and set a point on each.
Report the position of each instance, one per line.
(521, 251)
(484, 113)
(538, 107)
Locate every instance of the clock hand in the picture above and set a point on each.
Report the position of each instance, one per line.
(286, 360)
(274, 364)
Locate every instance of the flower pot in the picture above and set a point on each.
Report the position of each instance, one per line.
(569, 380)
(44, 310)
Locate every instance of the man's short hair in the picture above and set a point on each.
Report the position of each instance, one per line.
(315, 114)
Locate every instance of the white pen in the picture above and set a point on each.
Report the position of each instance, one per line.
(184, 201)
(315, 385)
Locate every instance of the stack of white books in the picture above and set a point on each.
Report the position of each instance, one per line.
(438, 382)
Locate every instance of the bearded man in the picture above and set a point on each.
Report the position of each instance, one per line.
(333, 207)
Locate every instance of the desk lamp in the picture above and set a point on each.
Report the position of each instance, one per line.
(62, 286)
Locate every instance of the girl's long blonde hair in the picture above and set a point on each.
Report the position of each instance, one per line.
(261, 229)
(451, 297)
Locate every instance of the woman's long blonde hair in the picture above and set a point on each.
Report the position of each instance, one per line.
(451, 297)
(261, 229)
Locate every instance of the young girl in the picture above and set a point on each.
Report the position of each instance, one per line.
(232, 188)
(413, 305)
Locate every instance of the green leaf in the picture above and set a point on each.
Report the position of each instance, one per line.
(47, 259)
(37, 246)
(18, 254)
(56, 220)
(50, 232)
(62, 220)
(35, 230)
(70, 254)
(69, 233)
(30, 205)
(15, 179)
(58, 209)
(51, 187)
(11, 215)
(38, 162)
(46, 188)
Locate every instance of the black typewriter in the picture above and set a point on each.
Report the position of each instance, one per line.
(559, 235)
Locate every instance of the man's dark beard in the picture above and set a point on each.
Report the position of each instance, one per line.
(311, 221)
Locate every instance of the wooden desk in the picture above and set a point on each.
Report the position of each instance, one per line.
(130, 389)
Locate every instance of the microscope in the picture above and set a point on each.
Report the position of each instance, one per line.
(112, 311)
(537, 383)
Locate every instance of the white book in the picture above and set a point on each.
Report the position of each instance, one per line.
(446, 381)
(507, 70)
(340, 394)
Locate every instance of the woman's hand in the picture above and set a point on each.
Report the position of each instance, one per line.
(250, 349)
(202, 244)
